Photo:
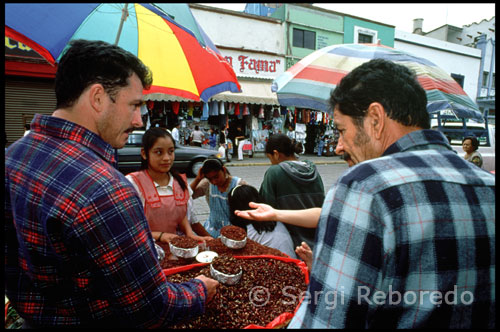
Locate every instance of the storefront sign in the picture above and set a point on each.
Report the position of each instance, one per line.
(254, 64)
(15, 48)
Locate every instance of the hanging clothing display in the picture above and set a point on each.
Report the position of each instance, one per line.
(214, 108)
(204, 115)
(222, 109)
(175, 107)
(261, 112)
(245, 110)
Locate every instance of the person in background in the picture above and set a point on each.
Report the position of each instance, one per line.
(165, 193)
(175, 133)
(237, 138)
(197, 136)
(291, 133)
(321, 143)
(222, 138)
(78, 249)
(291, 184)
(26, 129)
(215, 183)
(272, 234)
(470, 145)
(212, 139)
(406, 235)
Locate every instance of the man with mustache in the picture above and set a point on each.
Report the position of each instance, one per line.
(406, 236)
(78, 249)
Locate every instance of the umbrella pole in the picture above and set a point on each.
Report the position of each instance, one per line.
(124, 17)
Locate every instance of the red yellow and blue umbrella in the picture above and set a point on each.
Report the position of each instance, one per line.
(180, 65)
(309, 82)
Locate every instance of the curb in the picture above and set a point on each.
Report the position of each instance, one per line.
(269, 164)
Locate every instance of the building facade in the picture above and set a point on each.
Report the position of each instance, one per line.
(461, 62)
(29, 88)
(480, 36)
(254, 47)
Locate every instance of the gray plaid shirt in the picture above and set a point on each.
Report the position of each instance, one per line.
(405, 241)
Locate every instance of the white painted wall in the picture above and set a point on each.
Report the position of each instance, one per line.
(452, 58)
(242, 31)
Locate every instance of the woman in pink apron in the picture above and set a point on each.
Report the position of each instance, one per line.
(164, 192)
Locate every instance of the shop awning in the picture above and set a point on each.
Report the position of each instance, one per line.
(164, 97)
(251, 93)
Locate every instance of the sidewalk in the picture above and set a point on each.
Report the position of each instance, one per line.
(260, 159)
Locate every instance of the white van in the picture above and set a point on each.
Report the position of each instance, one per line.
(457, 129)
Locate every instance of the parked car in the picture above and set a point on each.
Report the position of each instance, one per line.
(188, 159)
(456, 129)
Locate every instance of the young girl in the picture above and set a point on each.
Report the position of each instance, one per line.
(164, 192)
(271, 233)
(214, 182)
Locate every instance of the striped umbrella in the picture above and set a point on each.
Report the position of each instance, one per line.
(181, 66)
(309, 82)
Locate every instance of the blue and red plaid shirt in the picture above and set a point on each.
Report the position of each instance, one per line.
(78, 248)
(405, 241)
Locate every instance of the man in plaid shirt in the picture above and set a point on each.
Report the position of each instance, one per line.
(406, 237)
(78, 249)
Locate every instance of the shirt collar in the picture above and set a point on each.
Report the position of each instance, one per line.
(419, 140)
(64, 129)
(170, 182)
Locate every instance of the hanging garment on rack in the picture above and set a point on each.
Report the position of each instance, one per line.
(214, 108)
(261, 112)
(222, 108)
(175, 107)
(205, 113)
(245, 110)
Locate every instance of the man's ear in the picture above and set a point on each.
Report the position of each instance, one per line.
(376, 118)
(97, 97)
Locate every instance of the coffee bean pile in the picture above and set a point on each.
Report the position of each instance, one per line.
(240, 305)
(233, 232)
(227, 264)
(184, 242)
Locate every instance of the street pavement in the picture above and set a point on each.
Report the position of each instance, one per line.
(252, 170)
(260, 159)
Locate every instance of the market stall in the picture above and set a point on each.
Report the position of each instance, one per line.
(260, 287)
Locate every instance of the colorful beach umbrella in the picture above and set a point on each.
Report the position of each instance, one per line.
(181, 66)
(309, 82)
(182, 14)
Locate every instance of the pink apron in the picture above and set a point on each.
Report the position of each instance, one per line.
(164, 213)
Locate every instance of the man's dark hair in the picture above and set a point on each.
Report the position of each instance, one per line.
(473, 141)
(88, 62)
(282, 143)
(238, 199)
(392, 85)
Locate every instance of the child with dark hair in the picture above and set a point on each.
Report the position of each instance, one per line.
(215, 183)
(269, 233)
(291, 184)
(163, 191)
